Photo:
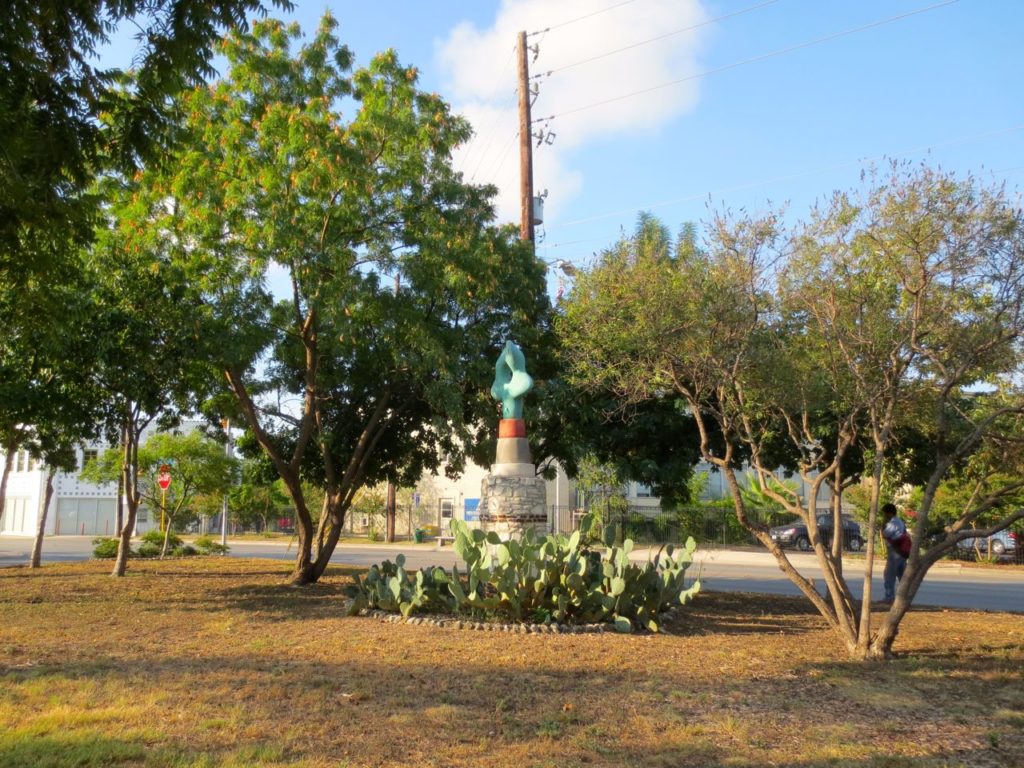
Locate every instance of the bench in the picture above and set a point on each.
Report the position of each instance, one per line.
(443, 537)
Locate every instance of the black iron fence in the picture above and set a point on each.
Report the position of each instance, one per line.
(718, 526)
(650, 525)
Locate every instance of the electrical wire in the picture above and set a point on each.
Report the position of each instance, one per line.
(786, 177)
(663, 36)
(504, 155)
(490, 132)
(754, 59)
(581, 18)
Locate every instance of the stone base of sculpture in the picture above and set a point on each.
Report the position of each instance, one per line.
(512, 497)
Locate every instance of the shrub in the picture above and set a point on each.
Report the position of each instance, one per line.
(150, 549)
(557, 578)
(207, 545)
(184, 550)
(104, 548)
(157, 537)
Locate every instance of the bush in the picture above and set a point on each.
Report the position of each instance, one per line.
(104, 548)
(207, 545)
(157, 537)
(150, 549)
(558, 578)
(184, 550)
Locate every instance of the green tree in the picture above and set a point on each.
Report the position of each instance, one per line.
(400, 290)
(893, 306)
(64, 118)
(198, 464)
(47, 354)
(147, 370)
(257, 498)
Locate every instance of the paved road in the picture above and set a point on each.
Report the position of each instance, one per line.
(949, 586)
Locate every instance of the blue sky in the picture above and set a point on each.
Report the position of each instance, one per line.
(943, 83)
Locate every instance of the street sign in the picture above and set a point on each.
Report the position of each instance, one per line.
(164, 478)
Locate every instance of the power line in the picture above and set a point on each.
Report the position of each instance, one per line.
(504, 155)
(581, 18)
(490, 132)
(662, 37)
(753, 59)
(787, 177)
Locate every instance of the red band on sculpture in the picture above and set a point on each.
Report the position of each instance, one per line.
(511, 428)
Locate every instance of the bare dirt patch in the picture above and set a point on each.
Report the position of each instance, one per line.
(219, 662)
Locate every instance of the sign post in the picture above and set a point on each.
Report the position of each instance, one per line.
(164, 481)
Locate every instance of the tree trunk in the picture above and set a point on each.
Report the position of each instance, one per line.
(37, 546)
(125, 541)
(9, 450)
(167, 538)
(303, 573)
(323, 555)
(129, 473)
(119, 521)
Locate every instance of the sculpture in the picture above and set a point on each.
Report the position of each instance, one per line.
(511, 381)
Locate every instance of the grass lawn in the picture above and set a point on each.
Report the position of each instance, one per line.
(217, 662)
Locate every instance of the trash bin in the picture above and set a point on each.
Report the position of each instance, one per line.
(418, 535)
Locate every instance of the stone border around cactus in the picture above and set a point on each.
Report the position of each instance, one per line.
(454, 622)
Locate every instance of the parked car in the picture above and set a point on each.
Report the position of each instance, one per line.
(794, 534)
(1002, 544)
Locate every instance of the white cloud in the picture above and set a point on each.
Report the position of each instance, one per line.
(481, 81)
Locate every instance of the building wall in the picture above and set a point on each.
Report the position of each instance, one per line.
(77, 508)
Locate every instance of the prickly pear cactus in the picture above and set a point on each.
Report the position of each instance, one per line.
(558, 577)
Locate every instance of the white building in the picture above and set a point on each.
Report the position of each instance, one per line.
(78, 508)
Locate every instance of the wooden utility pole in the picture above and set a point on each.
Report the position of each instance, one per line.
(389, 533)
(525, 145)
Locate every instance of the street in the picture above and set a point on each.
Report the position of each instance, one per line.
(946, 585)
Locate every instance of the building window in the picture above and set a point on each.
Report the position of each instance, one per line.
(447, 508)
(643, 491)
(88, 455)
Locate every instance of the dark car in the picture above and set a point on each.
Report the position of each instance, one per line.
(794, 534)
(1001, 544)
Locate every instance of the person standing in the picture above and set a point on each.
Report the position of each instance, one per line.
(896, 563)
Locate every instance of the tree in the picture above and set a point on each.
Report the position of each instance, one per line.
(147, 370)
(198, 464)
(58, 455)
(894, 307)
(256, 498)
(48, 400)
(53, 95)
(400, 289)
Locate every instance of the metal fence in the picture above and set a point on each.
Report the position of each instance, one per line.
(718, 526)
(650, 525)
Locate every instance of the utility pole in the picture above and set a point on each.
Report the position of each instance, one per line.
(389, 533)
(525, 144)
(226, 423)
(389, 513)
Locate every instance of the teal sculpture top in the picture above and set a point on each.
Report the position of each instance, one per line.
(511, 381)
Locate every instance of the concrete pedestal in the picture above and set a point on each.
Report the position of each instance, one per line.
(512, 497)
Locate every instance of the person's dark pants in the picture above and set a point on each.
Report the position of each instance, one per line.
(895, 565)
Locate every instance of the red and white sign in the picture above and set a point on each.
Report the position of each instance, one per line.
(164, 478)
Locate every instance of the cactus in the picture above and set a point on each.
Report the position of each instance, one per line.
(557, 577)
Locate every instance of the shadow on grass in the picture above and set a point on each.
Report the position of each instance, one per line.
(455, 711)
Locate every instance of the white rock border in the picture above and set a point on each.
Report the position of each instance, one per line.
(454, 622)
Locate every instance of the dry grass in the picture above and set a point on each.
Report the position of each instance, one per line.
(219, 663)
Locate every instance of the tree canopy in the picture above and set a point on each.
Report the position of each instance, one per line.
(394, 289)
(895, 310)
